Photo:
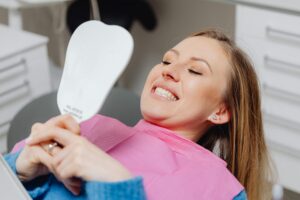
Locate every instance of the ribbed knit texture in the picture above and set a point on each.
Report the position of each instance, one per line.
(49, 188)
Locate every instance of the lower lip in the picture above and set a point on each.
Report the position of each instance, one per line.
(156, 96)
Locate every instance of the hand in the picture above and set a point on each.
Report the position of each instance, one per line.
(80, 158)
(35, 161)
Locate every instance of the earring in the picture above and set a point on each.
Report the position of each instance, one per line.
(214, 117)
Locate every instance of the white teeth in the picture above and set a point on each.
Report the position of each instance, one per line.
(165, 93)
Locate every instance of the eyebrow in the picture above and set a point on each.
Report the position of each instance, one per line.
(193, 58)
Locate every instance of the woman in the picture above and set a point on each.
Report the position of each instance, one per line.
(204, 91)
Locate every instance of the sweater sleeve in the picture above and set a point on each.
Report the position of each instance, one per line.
(241, 196)
(124, 190)
(37, 187)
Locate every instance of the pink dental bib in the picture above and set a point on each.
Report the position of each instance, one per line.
(173, 168)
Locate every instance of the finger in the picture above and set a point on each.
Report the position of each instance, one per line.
(67, 168)
(74, 182)
(35, 128)
(75, 189)
(65, 121)
(44, 158)
(62, 136)
(62, 155)
(51, 150)
(38, 128)
(70, 162)
(71, 183)
(66, 180)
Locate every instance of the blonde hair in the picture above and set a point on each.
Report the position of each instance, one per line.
(241, 141)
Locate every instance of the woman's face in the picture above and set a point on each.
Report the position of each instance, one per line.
(187, 87)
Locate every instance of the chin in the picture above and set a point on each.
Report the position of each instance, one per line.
(153, 117)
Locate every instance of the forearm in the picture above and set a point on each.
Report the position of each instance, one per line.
(131, 189)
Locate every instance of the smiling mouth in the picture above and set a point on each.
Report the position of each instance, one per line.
(165, 94)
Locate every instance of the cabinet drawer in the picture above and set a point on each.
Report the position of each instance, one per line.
(3, 137)
(38, 70)
(274, 68)
(24, 76)
(282, 74)
(287, 167)
(272, 40)
(282, 107)
(267, 24)
(12, 67)
(31, 65)
(281, 132)
(13, 97)
(283, 141)
(14, 89)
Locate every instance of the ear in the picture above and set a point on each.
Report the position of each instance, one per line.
(220, 116)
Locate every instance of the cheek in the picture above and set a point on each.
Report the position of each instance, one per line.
(202, 93)
(197, 89)
(152, 76)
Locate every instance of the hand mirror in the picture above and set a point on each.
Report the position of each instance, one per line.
(96, 56)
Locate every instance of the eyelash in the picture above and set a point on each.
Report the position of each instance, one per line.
(165, 62)
(194, 72)
(190, 70)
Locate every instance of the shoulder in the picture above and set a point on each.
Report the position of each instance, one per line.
(216, 170)
(212, 176)
(199, 181)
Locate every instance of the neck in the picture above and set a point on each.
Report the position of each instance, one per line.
(193, 134)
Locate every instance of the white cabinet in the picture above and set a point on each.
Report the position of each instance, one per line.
(272, 39)
(24, 74)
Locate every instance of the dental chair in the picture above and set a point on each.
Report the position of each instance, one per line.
(121, 104)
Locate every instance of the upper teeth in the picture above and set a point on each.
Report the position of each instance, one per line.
(165, 93)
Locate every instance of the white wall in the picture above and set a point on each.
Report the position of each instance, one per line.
(176, 20)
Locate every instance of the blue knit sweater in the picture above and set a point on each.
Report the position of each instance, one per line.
(49, 188)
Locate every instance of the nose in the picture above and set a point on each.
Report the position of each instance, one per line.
(170, 73)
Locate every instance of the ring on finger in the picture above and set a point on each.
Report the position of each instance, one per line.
(51, 146)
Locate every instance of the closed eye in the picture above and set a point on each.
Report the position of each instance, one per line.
(195, 72)
(165, 62)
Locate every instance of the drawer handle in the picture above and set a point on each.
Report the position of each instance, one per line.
(14, 92)
(281, 121)
(281, 65)
(15, 68)
(287, 124)
(281, 93)
(282, 33)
